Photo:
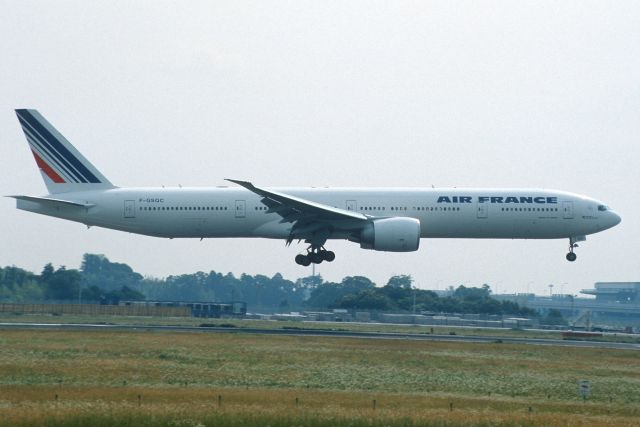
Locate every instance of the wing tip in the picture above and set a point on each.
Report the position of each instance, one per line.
(245, 184)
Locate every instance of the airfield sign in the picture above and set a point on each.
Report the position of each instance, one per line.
(585, 388)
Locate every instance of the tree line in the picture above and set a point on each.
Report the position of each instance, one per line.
(98, 280)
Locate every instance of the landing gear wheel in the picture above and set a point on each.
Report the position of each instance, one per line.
(571, 256)
(303, 260)
(315, 257)
(328, 255)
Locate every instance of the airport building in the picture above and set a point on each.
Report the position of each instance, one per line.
(615, 292)
(615, 304)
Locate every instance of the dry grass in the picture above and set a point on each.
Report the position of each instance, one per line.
(98, 376)
(194, 406)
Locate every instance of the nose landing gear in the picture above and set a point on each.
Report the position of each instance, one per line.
(315, 255)
(571, 256)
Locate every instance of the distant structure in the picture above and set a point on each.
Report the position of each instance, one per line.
(198, 309)
(615, 303)
(615, 292)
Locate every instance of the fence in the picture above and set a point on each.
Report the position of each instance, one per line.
(96, 310)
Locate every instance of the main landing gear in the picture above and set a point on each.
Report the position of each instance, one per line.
(315, 256)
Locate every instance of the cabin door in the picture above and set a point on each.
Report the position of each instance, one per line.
(241, 209)
(483, 210)
(129, 208)
(567, 210)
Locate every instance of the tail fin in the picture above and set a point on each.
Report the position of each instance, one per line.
(63, 168)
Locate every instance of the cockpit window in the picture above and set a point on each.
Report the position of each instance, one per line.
(603, 208)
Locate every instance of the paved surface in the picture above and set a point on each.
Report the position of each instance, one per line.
(326, 333)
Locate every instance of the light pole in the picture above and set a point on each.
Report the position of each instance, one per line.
(414, 300)
(573, 297)
(551, 290)
(80, 291)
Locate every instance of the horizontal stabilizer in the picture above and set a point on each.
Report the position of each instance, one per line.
(52, 202)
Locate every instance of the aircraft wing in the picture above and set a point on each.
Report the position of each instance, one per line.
(310, 219)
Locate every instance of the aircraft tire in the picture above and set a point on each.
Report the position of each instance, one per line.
(315, 257)
(571, 257)
(328, 255)
(303, 260)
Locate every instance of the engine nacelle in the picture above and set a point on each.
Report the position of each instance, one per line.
(398, 234)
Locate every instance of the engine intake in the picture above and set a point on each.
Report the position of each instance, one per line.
(391, 235)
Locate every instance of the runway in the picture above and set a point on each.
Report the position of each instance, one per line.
(325, 333)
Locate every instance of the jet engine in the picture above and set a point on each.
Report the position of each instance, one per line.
(398, 234)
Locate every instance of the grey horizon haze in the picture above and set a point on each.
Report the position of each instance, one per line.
(328, 93)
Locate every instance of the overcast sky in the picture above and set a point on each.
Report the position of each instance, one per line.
(495, 94)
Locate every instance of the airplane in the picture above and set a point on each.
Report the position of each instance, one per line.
(381, 219)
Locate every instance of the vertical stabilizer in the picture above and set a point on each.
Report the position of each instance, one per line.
(63, 168)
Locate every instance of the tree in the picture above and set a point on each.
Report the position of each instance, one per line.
(554, 317)
(47, 273)
(366, 300)
(352, 284)
(63, 284)
(403, 281)
(328, 294)
(473, 294)
(98, 271)
(310, 282)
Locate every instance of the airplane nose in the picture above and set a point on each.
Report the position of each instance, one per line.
(613, 219)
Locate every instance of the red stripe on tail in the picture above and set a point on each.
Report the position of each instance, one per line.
(47, 169)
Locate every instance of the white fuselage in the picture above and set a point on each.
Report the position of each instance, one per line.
(236, 212)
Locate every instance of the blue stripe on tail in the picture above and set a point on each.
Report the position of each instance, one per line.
(55, 159)
(78, 169)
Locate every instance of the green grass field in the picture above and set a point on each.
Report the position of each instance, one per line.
(279, 324)
(272, 324)
(184, 379)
